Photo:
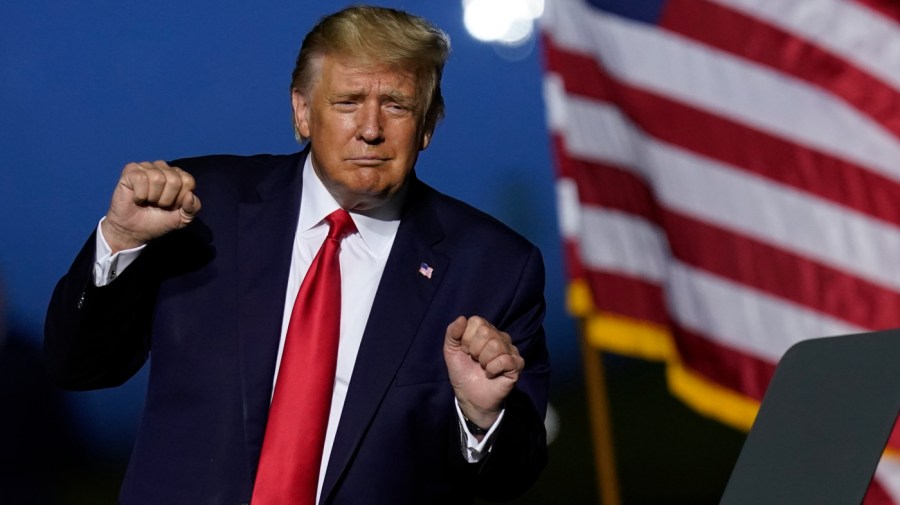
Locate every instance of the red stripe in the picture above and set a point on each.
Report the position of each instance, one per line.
(581, 72)
(886, 8)
(628, 296)
(609, 186)
(735, 144)
(894, 440)
(740, 258)
(723, 364)
(558, 150)
(753, 39)
(574, 267)
(781, 273)
(876, 495)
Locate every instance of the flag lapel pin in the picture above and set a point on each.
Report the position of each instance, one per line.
(426, 270)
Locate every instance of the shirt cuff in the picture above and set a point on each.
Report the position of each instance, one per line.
(473, 450)
(107, 266)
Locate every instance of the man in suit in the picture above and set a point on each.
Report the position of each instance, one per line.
(438, 389)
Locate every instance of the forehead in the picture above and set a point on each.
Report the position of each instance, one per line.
(338, 74)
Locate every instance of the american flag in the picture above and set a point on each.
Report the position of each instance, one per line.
(728, 183)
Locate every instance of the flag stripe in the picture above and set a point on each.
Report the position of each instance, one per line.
(888, 473)
(730, 30)
(734, 313)
(574, 268)
(781, 273)
(848, 29)
(722, 364)
(618, 241)
(743, 318)
(739, 258)
(828, 177)
(606, 185)
(667, 64)
(628, 296)
(730, 198)
(890, 10)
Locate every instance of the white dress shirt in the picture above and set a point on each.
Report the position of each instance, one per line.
(362, 257)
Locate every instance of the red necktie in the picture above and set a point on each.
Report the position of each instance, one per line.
(288, 471)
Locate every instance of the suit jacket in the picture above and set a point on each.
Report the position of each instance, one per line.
(206, 304)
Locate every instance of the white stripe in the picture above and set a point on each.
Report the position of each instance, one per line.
(743, 318)
(736, 200)
(724, 311)
(620, 242)
(777, 214)
(676, 67)
(888, 475)
(569, 208)
(851, 31)
(555, 101)
(590, 129)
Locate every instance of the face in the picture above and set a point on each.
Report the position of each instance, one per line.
(365, 130)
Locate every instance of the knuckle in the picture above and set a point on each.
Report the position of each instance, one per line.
(481, 332)
(494, 346)
(155, 177)
(173, 179)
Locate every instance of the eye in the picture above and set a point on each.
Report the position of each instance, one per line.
(397, 108)
(344, 105)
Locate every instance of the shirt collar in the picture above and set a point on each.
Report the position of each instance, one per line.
(376, 228)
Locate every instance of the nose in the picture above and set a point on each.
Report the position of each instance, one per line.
(369, 127)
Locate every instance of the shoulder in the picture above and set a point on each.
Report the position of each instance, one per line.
(468, 227)
(235, 162)
(235, 173)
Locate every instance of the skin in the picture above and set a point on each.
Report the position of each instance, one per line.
(150, 200)
(483, 365)
(365, 128)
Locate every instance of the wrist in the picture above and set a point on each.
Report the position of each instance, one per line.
(475, 429)
(116, 237)
(481, 419)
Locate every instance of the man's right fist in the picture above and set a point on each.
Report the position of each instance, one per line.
(150, 200)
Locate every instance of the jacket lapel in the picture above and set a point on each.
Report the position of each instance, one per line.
(267, 222)
(400, 303)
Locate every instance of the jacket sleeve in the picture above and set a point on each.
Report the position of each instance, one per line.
(99, 337)
(519, 450)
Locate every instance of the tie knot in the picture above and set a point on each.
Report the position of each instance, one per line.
(340, 224)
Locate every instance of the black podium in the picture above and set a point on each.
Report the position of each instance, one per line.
(823, 423)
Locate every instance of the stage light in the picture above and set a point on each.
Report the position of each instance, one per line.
(508, 22)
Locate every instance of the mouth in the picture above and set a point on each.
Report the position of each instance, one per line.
(367, 161)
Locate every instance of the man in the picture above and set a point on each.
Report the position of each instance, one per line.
(438, 388)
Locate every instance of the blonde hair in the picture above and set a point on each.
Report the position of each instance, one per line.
(380, 35)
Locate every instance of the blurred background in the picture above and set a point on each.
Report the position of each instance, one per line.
(86, 87)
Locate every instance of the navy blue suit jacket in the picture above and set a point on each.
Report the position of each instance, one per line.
(206, 304)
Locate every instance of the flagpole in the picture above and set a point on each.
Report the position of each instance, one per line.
(601, 423)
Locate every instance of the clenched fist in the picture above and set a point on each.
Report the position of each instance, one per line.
(150, 200)
(484, 366)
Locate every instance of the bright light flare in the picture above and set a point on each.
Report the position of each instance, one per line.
(509, 22)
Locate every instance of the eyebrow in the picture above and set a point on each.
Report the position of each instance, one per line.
(402, 98)
(393, 95)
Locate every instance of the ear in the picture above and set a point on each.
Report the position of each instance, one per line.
(426, 139)
(301, 112)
